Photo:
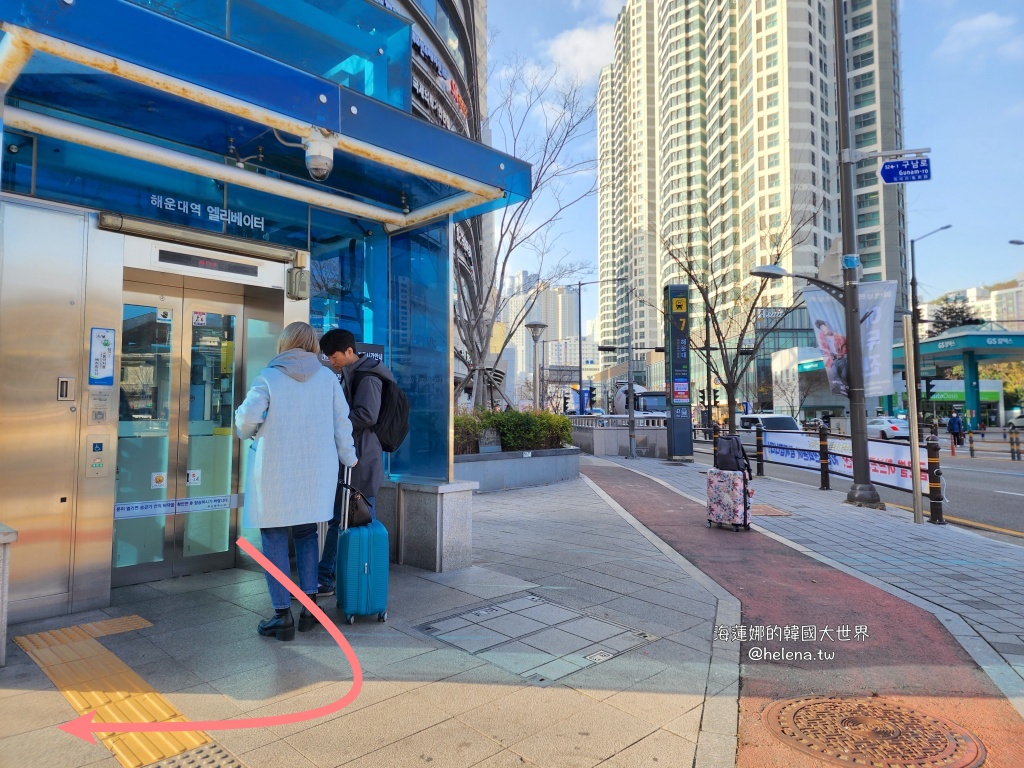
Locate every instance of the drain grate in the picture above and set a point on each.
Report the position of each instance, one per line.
(872, 732)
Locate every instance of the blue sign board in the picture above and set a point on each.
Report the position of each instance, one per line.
(899, 171)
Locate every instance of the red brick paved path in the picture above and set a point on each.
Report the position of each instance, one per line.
(908, 657)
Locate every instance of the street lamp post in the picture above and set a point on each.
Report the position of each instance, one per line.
(536, 329)
(862, 492)
(915, 311)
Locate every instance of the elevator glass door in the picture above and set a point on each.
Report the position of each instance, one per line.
(176, 488)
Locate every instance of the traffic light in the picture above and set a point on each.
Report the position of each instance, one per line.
(715, 401)
(927, 384)
(592, 398)
(703, 398)
(565, 402)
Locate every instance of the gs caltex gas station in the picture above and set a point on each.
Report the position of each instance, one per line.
(967, 346)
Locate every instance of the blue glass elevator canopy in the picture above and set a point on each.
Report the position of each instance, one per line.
(122, 78)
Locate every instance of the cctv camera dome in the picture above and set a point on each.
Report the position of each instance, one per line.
(319, 158)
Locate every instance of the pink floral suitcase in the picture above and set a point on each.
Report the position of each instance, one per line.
(728, 501)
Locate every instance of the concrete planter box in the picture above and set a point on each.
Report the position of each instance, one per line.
(518, 469)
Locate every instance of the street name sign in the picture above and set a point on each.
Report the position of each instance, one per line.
(899, 171)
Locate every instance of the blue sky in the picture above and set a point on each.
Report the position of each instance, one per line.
(963, 96)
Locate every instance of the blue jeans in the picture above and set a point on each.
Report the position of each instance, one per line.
(275, 548)
(328, 560)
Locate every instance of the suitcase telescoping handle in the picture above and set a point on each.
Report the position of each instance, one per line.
(345, 480)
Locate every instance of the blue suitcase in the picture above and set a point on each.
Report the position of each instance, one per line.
(362, 571)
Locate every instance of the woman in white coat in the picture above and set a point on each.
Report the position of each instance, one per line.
(296, 411)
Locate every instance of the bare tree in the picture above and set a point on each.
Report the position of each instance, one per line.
(794, 392)
(542, 119)
(733, 300)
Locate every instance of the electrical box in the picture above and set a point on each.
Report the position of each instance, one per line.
(298, 284)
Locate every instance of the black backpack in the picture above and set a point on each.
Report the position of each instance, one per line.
(393, 418)
(731, 455)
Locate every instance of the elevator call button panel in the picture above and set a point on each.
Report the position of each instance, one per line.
(99, 457)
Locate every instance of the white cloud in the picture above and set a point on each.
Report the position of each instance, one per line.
(608, 9)
(981, 35)
(582, 51)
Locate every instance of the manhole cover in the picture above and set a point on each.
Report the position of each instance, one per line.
(872, 732)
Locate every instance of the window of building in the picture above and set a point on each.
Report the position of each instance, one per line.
(771, 101)
(856, 5)
(862, 20)
(866, 139)
(775, 220)
(773, 140)
(864, 81)
(864, 99)
(772, 120)
(872, 278)
(867, 200)
(771, 20)
(869, 240)
(772, 80)
(864, 120)
(862, 60)
(774, 200)
(773, 160)
(860, 42)
(867, 219)
(866, 180)
(771, 60)
(770, 41)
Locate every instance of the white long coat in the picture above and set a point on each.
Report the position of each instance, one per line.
(300, 412)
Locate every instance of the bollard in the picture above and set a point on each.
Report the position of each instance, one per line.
(759, 436)
(952, 443)
(934, 484)
(714, 444)
(823, 457)
(970, 442)
(1014, 445)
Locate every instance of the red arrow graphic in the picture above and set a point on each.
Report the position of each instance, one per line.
(83, 727)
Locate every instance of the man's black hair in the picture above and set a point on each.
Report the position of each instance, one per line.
(337, 340)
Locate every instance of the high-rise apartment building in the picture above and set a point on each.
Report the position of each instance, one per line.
(744, 167)
(876, 122)
(629, 297)
(557, 306)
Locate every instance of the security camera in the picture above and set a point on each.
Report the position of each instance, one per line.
(319, 158)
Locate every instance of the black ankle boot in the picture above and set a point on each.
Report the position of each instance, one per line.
(307, 620)
(282, 626)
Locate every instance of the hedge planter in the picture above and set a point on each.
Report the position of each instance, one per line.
(518, 469)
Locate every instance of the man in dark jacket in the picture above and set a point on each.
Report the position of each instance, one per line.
(339, 347)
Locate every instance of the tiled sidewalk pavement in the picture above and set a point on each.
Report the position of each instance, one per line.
(482, 667)
(974, 585)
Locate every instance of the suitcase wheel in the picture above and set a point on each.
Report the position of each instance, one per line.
(746, 527)
(350, 619)
(382, 616)
(735, 528)
(719, 525)
(707, 523)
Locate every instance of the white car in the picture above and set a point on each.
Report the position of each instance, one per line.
(886, 428)
(1016, 421)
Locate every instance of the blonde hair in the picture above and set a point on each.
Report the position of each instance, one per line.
(298, 336)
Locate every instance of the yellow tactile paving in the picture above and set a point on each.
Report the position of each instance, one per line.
(94, 679)
(115, 626)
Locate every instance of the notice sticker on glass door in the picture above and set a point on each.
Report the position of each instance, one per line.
(198, 318)
(158, 480)
(194, 477)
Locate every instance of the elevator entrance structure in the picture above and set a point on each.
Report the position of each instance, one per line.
(150, 255)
